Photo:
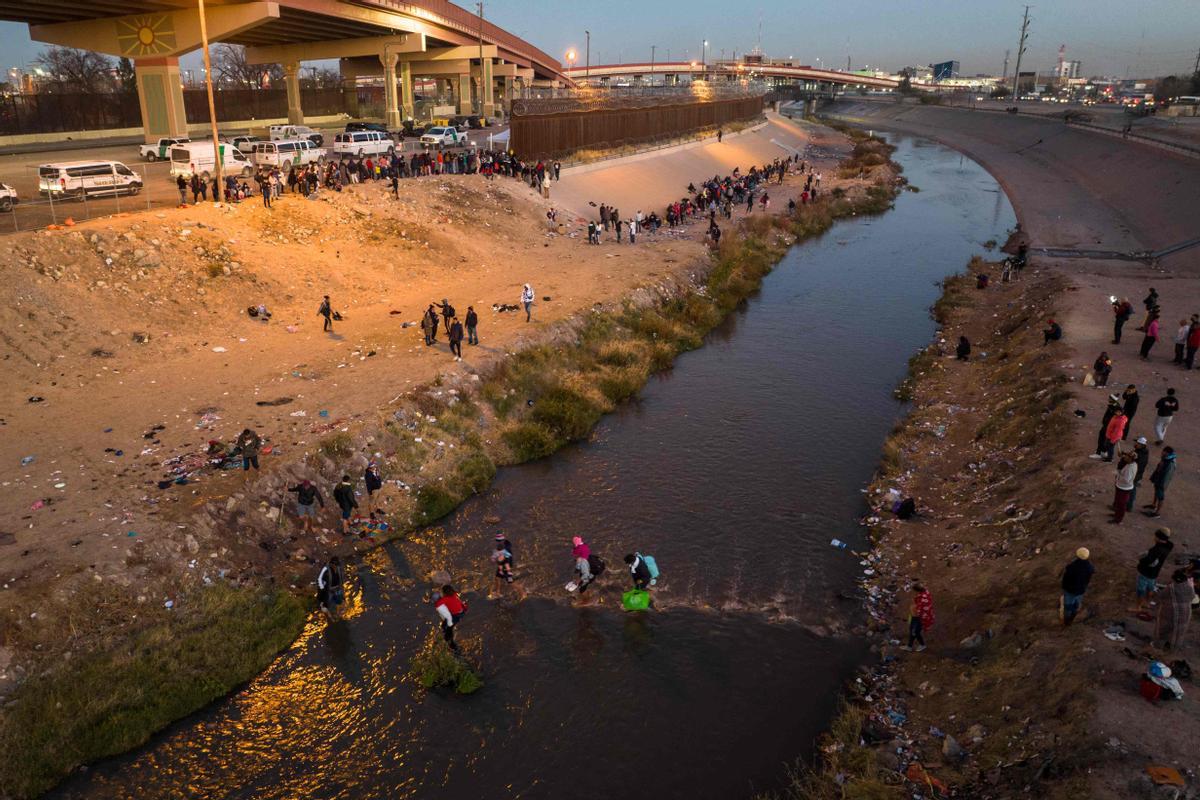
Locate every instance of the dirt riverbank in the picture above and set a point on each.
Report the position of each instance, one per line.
(128, 600)
(997, 451)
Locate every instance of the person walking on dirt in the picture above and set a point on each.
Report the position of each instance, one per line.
(472, 326)
(527, 300)
(326, 311)
(1075, 579)
(307, 497)
(1167, 406)
(1193, 343)
(1148, 567)
(329, 588)
(1151, 336)
(1164, 471)
(1181, 335)
(250, 445)
(455, 335)
(1129, 402)
(434, 319)
(182, 186)
(1126, 470)
(450, 608)
(920, 617)
(1122, 311)
(343, 495)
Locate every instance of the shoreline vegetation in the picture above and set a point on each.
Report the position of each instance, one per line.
(452, 435)
(997, 706)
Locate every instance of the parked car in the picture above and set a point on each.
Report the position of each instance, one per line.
(439, 136)
(161, 150)
(362, 143)
(79, 179)
(413, 129)
(243, 143)
(470, 122)
(8, 197)
(196, 158)
(287, 154)
(352, 127)
(284, 132)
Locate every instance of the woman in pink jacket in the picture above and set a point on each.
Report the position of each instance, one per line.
(1151, 336)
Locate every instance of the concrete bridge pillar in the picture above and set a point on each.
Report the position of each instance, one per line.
(407, 104)
(507, 98)
(291, 78)
(487, 99)
(160, 96)
(464, 93)
(391, 104)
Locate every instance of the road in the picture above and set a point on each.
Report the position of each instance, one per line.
(20, 171)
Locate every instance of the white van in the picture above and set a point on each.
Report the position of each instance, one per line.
(196, 158)
(286, 154)
(81, 178)
(362, 143)
(284, 132)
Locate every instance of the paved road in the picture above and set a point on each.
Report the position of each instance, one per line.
(20, 170)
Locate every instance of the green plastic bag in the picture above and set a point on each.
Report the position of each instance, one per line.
(636, 600)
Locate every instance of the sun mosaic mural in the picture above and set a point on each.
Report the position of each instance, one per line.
(146, 35)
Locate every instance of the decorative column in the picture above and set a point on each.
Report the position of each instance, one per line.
(487, 99)
(160, 97)
(291, 77)
(464, 93)
(407, 104)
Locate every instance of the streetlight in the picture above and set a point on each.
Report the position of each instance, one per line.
(704, 57)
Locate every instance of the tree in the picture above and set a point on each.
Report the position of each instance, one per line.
(1176, 85)
(905, 86)
(126, 77)
(321, 78)
(231, 68)
(1000, 92)
(76, 70)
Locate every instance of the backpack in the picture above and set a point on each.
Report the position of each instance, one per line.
(596, 565)
(651, 565)
(449, 311)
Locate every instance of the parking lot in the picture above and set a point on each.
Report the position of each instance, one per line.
(32, 211)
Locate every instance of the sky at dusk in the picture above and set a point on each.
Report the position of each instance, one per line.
(1111, 37)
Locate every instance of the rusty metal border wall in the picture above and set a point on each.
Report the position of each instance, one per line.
(557, 135)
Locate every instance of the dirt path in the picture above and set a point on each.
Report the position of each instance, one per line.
(1073, 188)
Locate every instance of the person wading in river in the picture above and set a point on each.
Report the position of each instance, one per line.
(450, 609)
(502, 557)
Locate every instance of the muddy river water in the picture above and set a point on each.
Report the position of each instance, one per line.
(734, 469)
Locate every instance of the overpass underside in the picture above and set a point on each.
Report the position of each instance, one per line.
(483, 65)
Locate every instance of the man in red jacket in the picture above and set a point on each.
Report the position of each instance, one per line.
(1193, 342)
(450, 608)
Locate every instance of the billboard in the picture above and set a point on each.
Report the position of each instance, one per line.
(944, 70)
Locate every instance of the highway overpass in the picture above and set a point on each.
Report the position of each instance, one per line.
(398, 40)
(725, 70)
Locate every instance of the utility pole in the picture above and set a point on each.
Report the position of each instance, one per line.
(1020, 52)
(587, 56)
(218, 156)
(1196, 69)
(653, 47)
(481, 70)
(1004, 75)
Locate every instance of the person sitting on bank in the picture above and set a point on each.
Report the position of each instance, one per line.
(963, 350)
(1053, 333)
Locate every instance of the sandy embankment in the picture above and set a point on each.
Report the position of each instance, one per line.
(1073, 189)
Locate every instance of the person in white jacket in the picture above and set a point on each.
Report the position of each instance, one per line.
(527, 300)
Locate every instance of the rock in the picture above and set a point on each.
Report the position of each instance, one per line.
(141, 337)
(886, 757)
(951, 748)
(193, 546)
(972, 641)
(976, 733)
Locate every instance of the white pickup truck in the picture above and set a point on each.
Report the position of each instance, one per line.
(447, 136)
(8, 197)
(280, 133)
(161, 150)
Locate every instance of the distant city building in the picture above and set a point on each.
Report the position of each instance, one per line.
(1069, 69)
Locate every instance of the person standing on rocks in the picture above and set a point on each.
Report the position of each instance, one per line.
(472, 326)
(527, 301)
(326, 311)
(307, 497)
(343, 495)
(455, 334)
(920, 617)
(1148, 567)
(1129, 402)
(250, 445)
(1167, 406)
(182, 186)
(329, 588)
(1161, 479)
(1126, 470)
(373, 482)
(1075, 579)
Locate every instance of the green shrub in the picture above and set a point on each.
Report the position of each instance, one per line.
(434, 502)
(476, 471)
(339, 445)
(529, 441)
(566, 412)
(436, 667)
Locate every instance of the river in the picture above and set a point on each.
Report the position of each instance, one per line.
(734, 469)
